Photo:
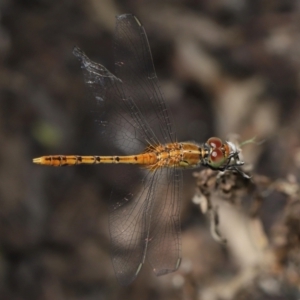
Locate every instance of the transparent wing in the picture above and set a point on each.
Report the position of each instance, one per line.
(134, 66)
(148, 225)
(117, 114)
(130, 108)
(164, 249)
(129, 227)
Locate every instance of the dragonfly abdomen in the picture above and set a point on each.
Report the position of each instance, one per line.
(71, 160)
(181, 155)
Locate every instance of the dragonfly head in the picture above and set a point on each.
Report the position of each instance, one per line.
(222, 156)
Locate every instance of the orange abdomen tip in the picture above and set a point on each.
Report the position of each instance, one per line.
(54, 161)
(38, 160)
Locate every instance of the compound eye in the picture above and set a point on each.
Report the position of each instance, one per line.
(216, 158)
(214, 142)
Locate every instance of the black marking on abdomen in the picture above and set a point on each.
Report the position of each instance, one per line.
(117, 158)
(200, 153)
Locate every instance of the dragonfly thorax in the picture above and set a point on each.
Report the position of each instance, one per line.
(182, 155)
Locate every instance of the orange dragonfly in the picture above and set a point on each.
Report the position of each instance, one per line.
(144, 223)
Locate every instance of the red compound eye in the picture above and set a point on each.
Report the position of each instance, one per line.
(214, 142)
(216, 155)
(216, 158)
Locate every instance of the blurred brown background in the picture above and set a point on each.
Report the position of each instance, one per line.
(225, 66)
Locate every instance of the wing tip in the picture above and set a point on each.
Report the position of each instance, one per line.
(160, 272)
(127, 16)
(125, 278)
(124, 16)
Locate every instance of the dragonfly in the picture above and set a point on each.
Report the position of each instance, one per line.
(144, 223)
